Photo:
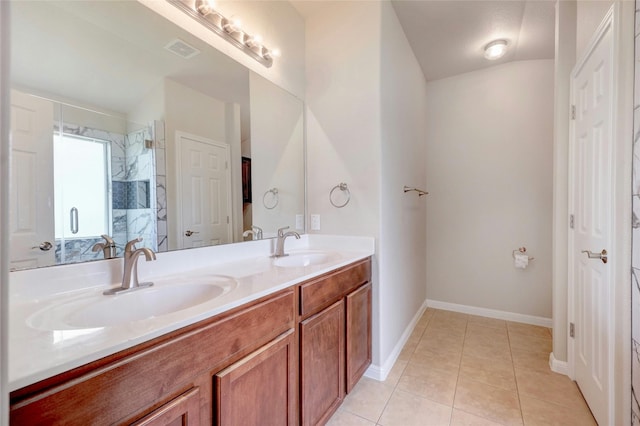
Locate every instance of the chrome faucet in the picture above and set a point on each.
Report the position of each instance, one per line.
(282, 236)
(108, 247)
(255, 232)
(130, 274)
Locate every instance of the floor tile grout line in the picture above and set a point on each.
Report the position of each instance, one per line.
(515, 378)
(497, 387)
(455, 391)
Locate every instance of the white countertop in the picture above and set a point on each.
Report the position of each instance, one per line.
(36, 354)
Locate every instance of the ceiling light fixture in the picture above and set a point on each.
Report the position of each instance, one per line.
(495, 50)
(229, 29)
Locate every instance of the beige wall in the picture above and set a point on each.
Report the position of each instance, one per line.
(489, 174)
(365, 127)
(402, 215)
(343, 115)
(277, 146)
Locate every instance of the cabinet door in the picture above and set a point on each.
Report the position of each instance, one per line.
(322, 364)
(260, 388)
(358, 334)
(181, 411)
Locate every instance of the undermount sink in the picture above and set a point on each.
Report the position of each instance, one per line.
(105, 311)
(298, 260)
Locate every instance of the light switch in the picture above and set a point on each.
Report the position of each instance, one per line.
(315, 222)
(299, 222)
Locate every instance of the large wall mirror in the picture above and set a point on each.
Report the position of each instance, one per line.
(125, 125)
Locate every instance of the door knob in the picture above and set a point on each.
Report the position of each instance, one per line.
(602, 255)
(45, 246)
(189, 233)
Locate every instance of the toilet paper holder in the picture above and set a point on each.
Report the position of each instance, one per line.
(521, 250)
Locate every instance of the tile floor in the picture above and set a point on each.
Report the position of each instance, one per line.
(459, 369)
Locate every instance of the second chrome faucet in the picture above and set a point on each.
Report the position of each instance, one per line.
(130, 272)
(282, 236)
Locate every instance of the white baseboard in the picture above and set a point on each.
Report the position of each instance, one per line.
(380, 373)
(491, 313)
(560, 367)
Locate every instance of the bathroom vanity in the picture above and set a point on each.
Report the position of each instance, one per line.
(286, 357)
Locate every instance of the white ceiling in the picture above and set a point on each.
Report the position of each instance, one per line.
(110, 55)
(448, 36)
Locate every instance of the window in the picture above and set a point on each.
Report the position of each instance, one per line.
(82, 182)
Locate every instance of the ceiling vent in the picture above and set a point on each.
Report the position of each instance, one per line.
(182, 49)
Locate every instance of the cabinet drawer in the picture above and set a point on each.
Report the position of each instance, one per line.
(322, 292)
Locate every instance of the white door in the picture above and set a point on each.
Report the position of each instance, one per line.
(203, 191)
(32, 213)
(591, 186)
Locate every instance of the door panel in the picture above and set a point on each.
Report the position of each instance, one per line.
(204, 184)
(260, 388)
(32, 213)
(358, 339)
(322, 372)
(591, 188)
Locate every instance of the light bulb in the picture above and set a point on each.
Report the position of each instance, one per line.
(275, 53)
(495, 50)
(204, 7)
(256, 40)
(232, 25)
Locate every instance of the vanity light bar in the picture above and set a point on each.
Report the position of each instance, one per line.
(229, 29)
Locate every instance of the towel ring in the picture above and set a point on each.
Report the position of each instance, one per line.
(344, 188)
(274, 197)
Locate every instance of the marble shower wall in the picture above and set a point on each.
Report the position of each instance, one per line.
(140, 188)
(161, 184)
(635, 263)
(119, 215)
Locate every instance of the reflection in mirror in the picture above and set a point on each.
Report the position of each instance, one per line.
(279, 159)
(104, 181)
(135, 128)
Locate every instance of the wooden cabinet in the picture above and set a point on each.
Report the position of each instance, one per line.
(260, 388)
(322, 364)
(358, 340)
(335, 339)
(182, 411)
(285, 359)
